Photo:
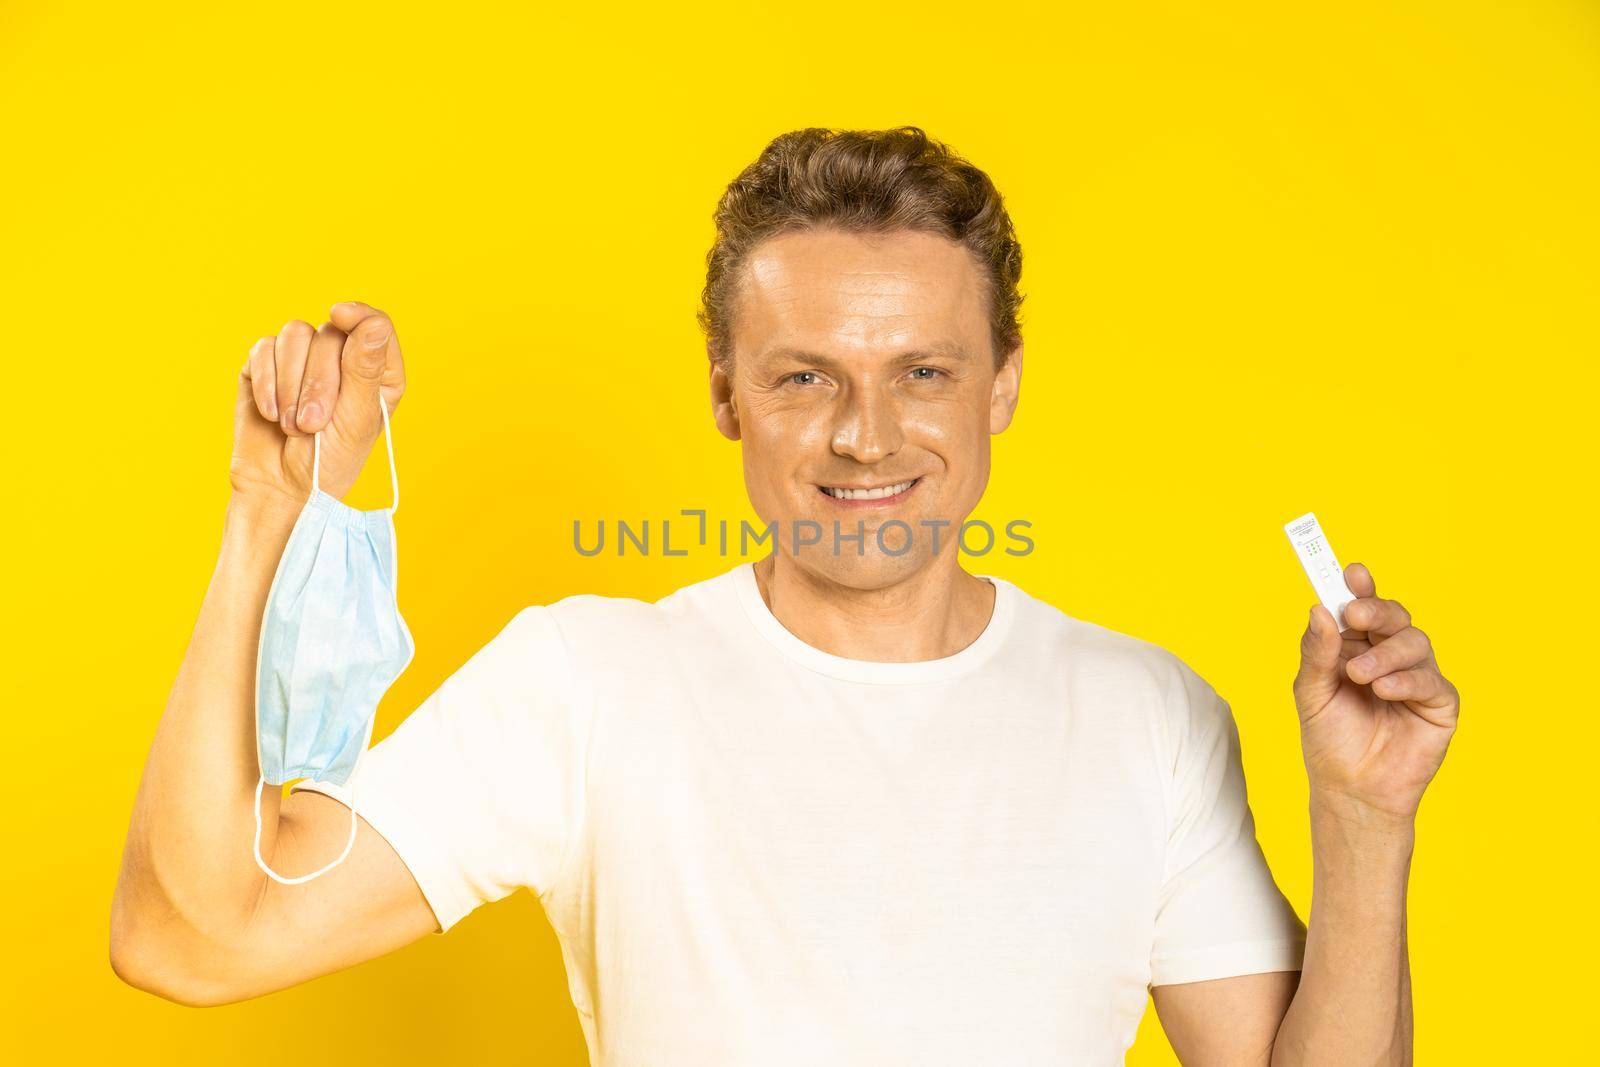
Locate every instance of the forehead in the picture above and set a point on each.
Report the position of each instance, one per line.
(827, 290)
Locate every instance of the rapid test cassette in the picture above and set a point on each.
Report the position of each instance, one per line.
(1321, 565)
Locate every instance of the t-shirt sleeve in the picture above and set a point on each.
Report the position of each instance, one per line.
(480, 790)
(1220, 912)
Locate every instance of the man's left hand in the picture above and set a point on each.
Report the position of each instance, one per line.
(1376, 715)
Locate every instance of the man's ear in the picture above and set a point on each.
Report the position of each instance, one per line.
(1006, 391)
(722, 405)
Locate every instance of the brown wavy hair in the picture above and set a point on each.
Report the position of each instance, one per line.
(862, 181)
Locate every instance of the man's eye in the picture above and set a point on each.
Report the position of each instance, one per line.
(795, 378)
(926, 374)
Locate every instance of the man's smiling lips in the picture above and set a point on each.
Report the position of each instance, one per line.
(883, 495)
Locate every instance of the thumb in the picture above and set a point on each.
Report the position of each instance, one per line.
(366, 351)
(357, 419)
(1320, 674)
(362, 364)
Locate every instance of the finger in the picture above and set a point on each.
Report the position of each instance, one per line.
(289, 353)
(1353, 643)
(1407, 649)
(1319, 675)
(1420, 685)
(1360, 580)
(253, 431)
(347, 315)
(263, 375)
(1375, 615)
(319, 389)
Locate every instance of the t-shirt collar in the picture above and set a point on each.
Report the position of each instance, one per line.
(873, 671)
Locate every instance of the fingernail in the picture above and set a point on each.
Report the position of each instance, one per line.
(378, 340)
(311, 412)
(1364, 664)
(272, 408)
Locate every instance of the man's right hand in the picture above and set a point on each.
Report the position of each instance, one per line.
(193, 919)
(306, 380)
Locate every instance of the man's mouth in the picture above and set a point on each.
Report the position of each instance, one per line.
(878, 494)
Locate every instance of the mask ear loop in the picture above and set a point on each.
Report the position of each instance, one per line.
(388, 443)
(274, 875)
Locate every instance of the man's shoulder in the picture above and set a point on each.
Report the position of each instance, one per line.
(608, 621)
(1096, 652)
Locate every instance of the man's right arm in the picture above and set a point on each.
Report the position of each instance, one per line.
(194, 919)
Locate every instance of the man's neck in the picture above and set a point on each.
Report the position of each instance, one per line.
(931, 614)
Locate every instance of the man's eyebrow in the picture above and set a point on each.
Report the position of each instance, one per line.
(772, 355)
(946, 349)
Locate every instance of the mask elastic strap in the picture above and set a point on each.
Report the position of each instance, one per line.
(274, 875)
(388, 442)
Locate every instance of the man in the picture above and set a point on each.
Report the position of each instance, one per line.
(849, 804)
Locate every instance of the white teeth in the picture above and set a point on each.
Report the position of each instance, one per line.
(868, 494)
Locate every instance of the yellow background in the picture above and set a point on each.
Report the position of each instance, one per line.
(1279, 257)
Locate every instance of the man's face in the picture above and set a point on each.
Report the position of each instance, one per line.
(863, 362)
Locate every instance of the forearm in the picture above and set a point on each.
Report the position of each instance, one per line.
(187, 873)
(1353, 1005)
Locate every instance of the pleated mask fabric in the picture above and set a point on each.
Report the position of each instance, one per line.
(332, 643)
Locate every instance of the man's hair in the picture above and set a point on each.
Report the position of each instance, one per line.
(862, 181)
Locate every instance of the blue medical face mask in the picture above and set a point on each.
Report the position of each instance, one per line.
(332, 643)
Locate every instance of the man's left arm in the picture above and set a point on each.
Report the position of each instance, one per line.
(1376, 716)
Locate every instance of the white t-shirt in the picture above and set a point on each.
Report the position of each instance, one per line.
(755, 852)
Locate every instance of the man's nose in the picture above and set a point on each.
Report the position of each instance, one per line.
(868, 427)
